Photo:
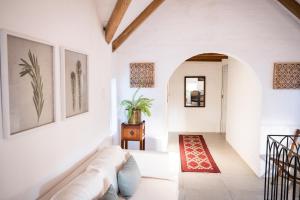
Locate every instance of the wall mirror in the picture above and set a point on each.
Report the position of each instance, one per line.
(194, 91)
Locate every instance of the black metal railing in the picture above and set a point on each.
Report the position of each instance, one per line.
(282, 170)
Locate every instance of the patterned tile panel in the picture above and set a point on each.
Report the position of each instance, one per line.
(141, 75)
(286, 76)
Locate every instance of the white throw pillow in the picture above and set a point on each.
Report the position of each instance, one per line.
(86, 186)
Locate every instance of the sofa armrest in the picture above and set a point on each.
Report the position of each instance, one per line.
(159, 165)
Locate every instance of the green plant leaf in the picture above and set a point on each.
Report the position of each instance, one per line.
(129, 113)
(134, 94)
(141, 103)
(126, 103)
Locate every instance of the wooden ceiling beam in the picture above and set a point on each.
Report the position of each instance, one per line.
(136, 23)
(292, 5)
(208, 57)
(116, 18)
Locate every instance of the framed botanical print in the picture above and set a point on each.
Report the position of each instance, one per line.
(27, 78)
(74, 81)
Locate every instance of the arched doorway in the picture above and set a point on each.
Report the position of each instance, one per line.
(192, 109)
(233, 99)
(237, 114)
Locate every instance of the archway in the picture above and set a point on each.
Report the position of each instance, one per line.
(243, 105)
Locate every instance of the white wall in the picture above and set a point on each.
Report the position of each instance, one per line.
(244, 95)
(28, 161)
(224, 94)
(200, 119)
(258, 32)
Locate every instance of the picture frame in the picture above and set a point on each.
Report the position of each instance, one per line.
(142, 75)
(194, 91)
(286, 75)
(28, 102)
(65, 86)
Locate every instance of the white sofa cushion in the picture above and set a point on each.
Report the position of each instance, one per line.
(159, 165)
(109, 161)
(87, 186)
(112, 154)
(152, 188)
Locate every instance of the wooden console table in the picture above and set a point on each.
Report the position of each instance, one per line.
(133, 132)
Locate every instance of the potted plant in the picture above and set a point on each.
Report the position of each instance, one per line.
(135, 107)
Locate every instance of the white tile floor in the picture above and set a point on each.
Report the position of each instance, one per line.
(235, 182)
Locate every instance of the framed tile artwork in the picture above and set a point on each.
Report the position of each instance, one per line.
(286, 76)
(142, 75)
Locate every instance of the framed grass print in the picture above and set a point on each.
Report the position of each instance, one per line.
(74, 80)
(27, 78)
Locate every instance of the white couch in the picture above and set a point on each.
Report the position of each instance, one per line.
(92, 178)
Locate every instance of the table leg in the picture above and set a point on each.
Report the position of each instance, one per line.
(144, 141)
(122, 144)
(141, 144)
(126, 144)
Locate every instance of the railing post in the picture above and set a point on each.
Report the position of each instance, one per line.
(282, 166)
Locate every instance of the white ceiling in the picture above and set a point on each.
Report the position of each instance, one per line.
(105, 8)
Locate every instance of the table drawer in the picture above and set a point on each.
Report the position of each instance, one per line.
(131, 134)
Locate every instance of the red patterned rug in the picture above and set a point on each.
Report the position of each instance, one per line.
(195, 156)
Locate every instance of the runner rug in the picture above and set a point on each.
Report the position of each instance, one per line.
(195, 156)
